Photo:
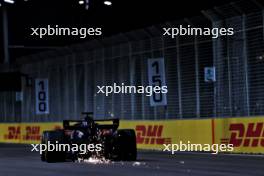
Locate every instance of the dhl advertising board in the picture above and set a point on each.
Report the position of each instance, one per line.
(153, 134)
(25, 133)
(246, 134)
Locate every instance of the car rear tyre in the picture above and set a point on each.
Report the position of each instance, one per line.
(127, 146)
(53, 137)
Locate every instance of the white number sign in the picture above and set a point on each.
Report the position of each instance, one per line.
(156, 77)
(42, 96)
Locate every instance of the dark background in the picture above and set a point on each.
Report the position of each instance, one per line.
(122, 16)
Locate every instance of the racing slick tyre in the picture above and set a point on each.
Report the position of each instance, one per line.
(53, 137)
(43, 139)
(127, 145)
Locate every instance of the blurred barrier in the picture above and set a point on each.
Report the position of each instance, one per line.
(26, 133)
(246, 134)
(153, 134)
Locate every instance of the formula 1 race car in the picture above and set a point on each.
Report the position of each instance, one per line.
(103, 138)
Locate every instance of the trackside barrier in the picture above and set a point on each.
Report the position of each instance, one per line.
(246, 134)
(24, 133)
(153, 134)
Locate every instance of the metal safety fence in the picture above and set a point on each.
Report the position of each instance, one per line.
(75, 72)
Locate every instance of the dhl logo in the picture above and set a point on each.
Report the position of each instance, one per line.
(151, 134)
(32, 133)
(29, 133)
(14, 133)
(250, 135)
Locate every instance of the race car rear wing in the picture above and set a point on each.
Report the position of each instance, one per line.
(101, 124)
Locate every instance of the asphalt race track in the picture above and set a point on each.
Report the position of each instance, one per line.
(18, 160)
